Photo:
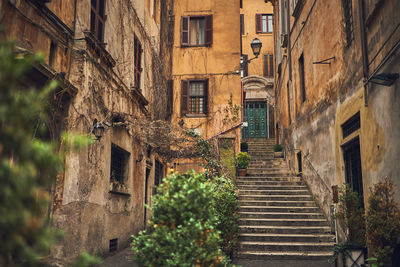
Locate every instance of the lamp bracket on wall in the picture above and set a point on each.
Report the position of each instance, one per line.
(325, 61)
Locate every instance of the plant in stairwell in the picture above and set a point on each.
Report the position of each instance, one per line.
(242, 162)
(351, 219)
(278, 148)
(244, 147)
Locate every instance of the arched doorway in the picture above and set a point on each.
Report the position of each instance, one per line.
(258, 107)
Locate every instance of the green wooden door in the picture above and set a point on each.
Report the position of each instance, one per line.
(256, 115)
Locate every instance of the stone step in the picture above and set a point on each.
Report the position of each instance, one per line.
(286, 246)
(261, 178)
(285, 229)
(272, 187)
(262, 237)
(283, 222)
(267, 182)
(281, 215)
(275, 197)
(287, 255)
(277, 203)
(244, 208)
(269, 174)
(273, 192)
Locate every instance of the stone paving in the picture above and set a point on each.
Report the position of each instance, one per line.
(124, 258)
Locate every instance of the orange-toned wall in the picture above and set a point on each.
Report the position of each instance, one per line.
(249, 10)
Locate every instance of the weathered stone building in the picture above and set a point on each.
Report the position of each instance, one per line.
(337, 92)
(256, 21)
(206, 64)
(113, 61)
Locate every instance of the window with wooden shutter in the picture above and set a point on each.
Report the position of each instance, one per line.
(196, 30)
(268, 66)
(194, 97)
(245, 66)
(209, 30)
(138, 61)
(264, 23)
(241, 24)
(97, 19)
(258, 23)
(184, 97)
(185, 31)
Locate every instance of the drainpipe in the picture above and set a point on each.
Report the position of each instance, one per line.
(289, 43)
(364, 49)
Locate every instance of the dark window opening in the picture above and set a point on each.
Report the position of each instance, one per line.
(348, 21)
(138, 62)
(299, 162)
(113, 244)
(241, 24)
(352, 162)
(302, 79)
(268, 66)
(196, 30)
(264, 23)
(170, 103)
(241, 3)
(351, 125)
(194, 97)
(119, 164)
(52, 53)
(97, 19)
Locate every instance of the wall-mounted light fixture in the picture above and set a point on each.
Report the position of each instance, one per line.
(256, 46)
(140, 157)
(98, 130)
(385, 79)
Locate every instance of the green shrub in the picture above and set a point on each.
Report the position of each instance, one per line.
(244, 146)
(383, 221)
(278, 148)
(351, 216)
(242, 160)
(182, 230)
(225, 204)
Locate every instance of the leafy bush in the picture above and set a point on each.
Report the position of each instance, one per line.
(383, 221)
(28, 165)
(244, 146)
(242, 160)
(183, 226)
(225, 204)
(351, 216)
(278, 148)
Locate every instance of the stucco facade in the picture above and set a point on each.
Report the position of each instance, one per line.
(98, 84)
(210, 60)
(325, 97)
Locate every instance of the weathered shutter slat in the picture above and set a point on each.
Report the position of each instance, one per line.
(184, 30)
(205, 108)
(258, 23)
(245, 66)
(184, 97)
(209, 30)
(271, 65)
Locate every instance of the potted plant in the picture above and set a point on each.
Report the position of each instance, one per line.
(383, 222)
(118, 187)
(244, 147)
(351, 219)
(242, 161)
(278, 151)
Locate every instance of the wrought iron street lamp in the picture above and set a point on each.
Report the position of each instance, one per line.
(98, 130)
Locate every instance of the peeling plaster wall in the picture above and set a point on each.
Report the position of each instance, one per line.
(335, 92)
(82, 204)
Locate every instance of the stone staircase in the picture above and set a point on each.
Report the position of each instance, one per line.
(279, 219)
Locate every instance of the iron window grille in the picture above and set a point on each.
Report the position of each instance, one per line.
(119, 163)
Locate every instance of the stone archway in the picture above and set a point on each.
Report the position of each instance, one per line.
(258, 107)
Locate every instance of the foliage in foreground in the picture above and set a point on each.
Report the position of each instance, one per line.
(28, 165)
(383, 221)
(185, 224)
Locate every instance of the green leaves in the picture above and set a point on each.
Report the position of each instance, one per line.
(186, 226)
